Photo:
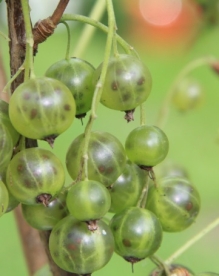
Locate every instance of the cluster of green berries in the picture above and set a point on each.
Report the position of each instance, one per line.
(82, 241)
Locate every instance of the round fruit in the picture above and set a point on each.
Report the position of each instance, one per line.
(169, 168)
(176, 203)
(12, 201)
(42, 108)
(137, 233)
(106, 157)
(3, 198)
(88, 200)
(188, 95)
(77, 75)
(128, 83)
(6, 148)
(76, 249)
(46, 217)
(125, 191)
(4, 118)
(175, 270)
(146, 146)
(34, 176)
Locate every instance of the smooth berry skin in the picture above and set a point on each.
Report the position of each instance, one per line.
(106, 157)
(46, 217)
(126, 190)
(175, 202)
(4, 198)
(77, 75)
(76, 249)
(88, 200)
(128, 83)
(137, 233)
(42, 108)
(188, 95)
(147, 146)
(34, 172)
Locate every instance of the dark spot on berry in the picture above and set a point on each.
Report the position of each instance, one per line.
(115, 85)
(126, 97)
(20, 168)
(101, 169)
(189, 206)
(33, 113)
(126, 243)
(45, 157)
(141, 81)
(26, 96)
(119, 71)
(72, 246)
(27, 183)
(67, 107)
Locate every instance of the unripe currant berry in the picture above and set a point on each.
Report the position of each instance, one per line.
(188, 94)
(88, 200)
(76, 249)
(77, 75)
(5, 120)
(128, 84)
(42, 108)
(34, 176)
(146, 146)
(137, 233)
(175, 202)
(125, 191)
(175, 270)
(106, 157)
(4, 198)
(44, 217)
(6, 147)
(12, 201)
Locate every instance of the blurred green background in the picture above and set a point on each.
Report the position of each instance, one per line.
(194, 136)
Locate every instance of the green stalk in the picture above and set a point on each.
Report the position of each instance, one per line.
(193, 240)
(142, 115)
(98, 89)
(67, 55)
(88, 31)
(165, 107)
(7, 86)
(75, 17)
(29, 72)
(160, 263)
(143, 197)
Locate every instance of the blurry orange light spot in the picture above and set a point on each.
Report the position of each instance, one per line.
(160, 12)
